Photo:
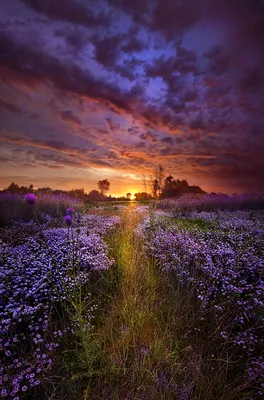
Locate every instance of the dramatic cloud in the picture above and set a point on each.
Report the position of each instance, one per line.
(114, 88)
(72, 11)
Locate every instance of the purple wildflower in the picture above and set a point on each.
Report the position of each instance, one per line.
(30, 198)
(70, 211)
(68, 220)
(29, 292)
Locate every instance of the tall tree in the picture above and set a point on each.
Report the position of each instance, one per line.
(144, 181)
(78, 193)
(95, 195)
(13, 188)
(142, 196)
(155, 188)
(176, 187)
(103, 186)
(160, 175)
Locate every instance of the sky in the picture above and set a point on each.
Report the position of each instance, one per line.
(110, 89)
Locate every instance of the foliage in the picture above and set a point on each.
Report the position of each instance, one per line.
(13, 207)
(211, 202)
(95, 195)
(103, 186)
(155, 188)
(142, 196)
(222, 267)
(46, 296)
(176, 188)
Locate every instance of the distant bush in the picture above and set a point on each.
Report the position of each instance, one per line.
(211, 202)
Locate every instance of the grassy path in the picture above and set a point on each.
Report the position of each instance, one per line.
(142, 357)
(139, 348)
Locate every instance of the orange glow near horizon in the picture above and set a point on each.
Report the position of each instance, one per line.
(124, 193)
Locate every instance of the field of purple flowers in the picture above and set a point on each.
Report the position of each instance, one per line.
(211, 202)
(82, 294)
(217, 258)
(13, 207)
(45, 270)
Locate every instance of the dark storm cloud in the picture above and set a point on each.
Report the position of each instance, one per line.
(111, 155)
(251, 81)
(149, 136)
(76, 38)
(214, 52)
(69, 10)
(13, 108)
(125, 72)
(220, 64)
(189, 96)
(138, 9)
(54, 145)
(69, 116)
(4, 105)
(180, 63)
(186, 14)
(198, 123)
(34, 65)
(133, 45)
(107, 49)
(167, 139)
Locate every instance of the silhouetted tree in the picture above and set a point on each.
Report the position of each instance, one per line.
(13, 188)
(128, 195)
(196, 190)
(45, 190)
(103, 185)
(144, 182)
(142, 196)
(155, 188)
(16, 189)
(176, 187)
(160, 175)
(78, 194)
(95, 195)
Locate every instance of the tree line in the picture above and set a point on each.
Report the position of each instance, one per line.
(160, 186)
(93, 195)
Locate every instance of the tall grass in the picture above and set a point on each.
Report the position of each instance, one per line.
(211, 202)
(51, 284)
(144, 354)
(147, 338)
(14, 207)
(153, 341)
(210, 320)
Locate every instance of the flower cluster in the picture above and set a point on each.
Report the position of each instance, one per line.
(70, 211)
(68, 220)
(14, 207)
(210, 202)
(37, 277)
(30, 198)
(142, 209)
(223, 266)
(100, 224)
